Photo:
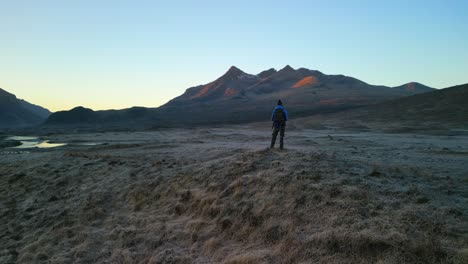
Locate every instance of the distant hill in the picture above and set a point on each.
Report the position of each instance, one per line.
(17, 113)
(80, 117)
(414, 88)
(75, 115)
(238, 97)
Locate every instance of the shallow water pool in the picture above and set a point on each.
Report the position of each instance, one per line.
(34, 142)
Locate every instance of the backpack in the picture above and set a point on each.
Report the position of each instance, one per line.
(278, 116)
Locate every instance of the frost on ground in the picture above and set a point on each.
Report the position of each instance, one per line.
(219, 196)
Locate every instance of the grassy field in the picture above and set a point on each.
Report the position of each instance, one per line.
(220, 196)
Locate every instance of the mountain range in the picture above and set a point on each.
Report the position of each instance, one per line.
(16, 112)
(238, 97)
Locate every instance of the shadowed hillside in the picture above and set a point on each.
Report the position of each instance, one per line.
(446, 105)
(15, 113)
(437, 110)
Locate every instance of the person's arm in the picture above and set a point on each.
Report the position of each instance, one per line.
(273, 115)
(285, 114)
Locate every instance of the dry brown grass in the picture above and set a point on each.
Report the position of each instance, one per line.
(248, 206)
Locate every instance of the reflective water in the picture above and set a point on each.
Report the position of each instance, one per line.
(21, 138)
(46, 144)
(34, 142)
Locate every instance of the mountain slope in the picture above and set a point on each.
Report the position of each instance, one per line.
(15, 113)
(230, 84)
(35, 109)
(433, 112)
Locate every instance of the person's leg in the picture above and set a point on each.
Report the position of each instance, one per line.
(273, 137)
(283, 128)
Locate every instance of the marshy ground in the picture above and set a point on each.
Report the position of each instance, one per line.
(220, 196)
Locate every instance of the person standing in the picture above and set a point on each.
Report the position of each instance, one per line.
(279, 118)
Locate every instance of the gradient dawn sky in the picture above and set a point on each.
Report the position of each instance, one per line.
(117, 54)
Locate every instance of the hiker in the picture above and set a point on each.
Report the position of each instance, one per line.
(279, 118)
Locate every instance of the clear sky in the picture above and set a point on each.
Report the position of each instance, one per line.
(110, 54)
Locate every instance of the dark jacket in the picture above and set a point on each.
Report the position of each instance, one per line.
(284, 112)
